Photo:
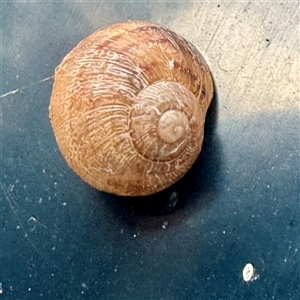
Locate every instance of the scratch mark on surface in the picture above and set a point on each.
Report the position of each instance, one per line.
(253, 39)
(25, 87)
(13, 205)
(217, 27)
(70, 16)
(10, 200)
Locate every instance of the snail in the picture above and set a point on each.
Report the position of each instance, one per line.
(128, 107)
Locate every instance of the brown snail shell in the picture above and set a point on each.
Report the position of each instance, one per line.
(128, 107)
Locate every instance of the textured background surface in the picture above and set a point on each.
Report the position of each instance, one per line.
(61, 239)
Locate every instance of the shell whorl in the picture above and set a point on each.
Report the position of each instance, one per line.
(165, 122)
(128, 108)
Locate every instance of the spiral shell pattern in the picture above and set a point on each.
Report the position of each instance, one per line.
(128, 108)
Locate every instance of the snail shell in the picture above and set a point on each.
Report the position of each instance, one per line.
(128, 107)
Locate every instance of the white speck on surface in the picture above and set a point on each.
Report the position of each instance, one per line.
(134, 235)
(224, 232)
(18, 227)
(164, 225)
(29, 289)
(84, 285)
(44, 171)
(32, 223)
(64, 203)
(32, 219)
(40, 200)
(248, 272)
(1, 289)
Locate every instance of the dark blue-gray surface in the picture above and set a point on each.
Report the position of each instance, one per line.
(61, 239)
